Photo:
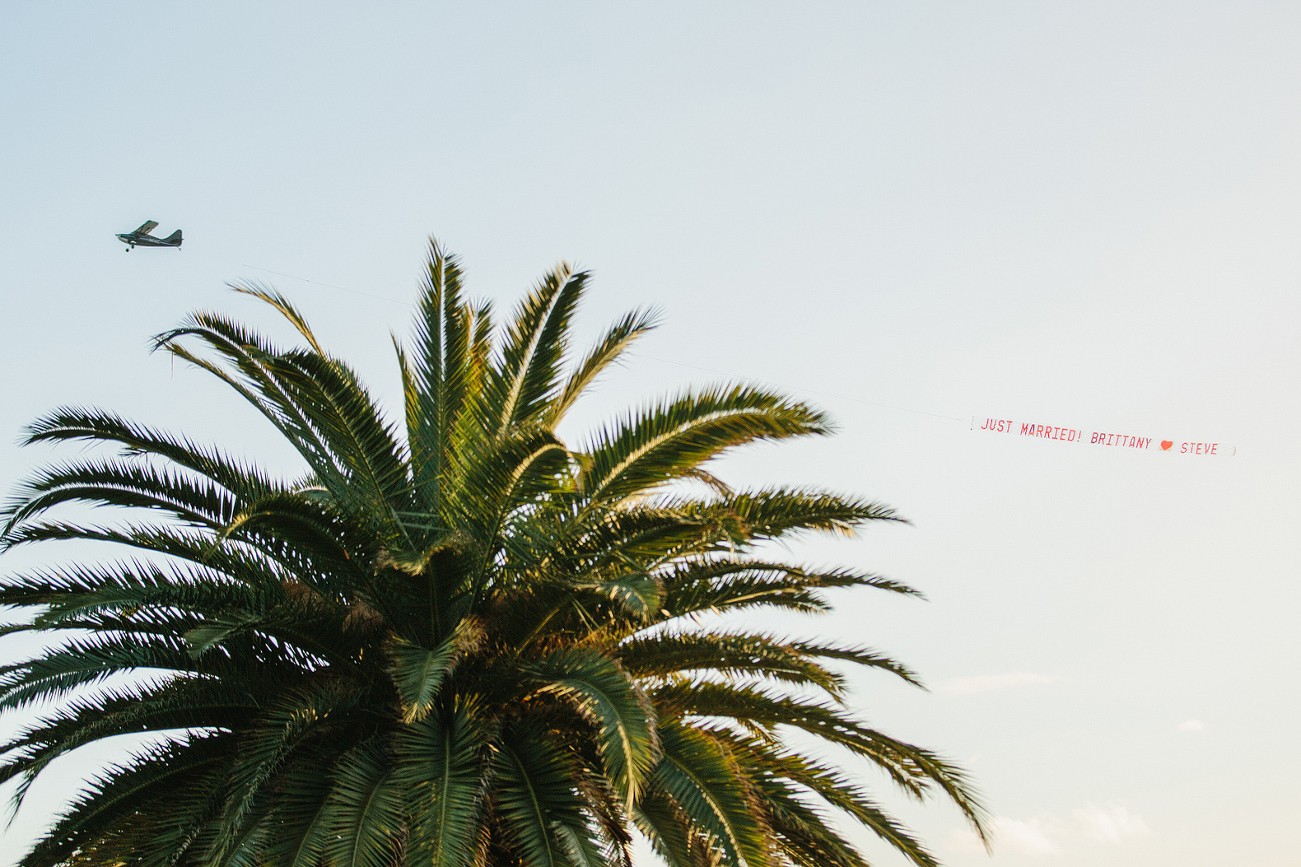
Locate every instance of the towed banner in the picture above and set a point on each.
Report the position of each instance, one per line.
(1079, 436)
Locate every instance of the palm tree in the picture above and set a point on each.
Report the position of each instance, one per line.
(454, 641)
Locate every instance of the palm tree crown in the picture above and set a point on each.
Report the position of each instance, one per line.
(453, 641)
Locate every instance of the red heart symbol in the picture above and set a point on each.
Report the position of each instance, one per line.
(1166, 444)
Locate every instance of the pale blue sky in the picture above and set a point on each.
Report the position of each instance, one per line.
(1083, 214)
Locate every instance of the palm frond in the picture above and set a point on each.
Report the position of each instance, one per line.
(605, 353)
(442, 767)
(122, 791)
(703, 784)
(663, 442)
(534, 794)
(532, 351)
(606, 696)
(365, 813)
(418, 672)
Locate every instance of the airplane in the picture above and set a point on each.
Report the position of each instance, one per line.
(142, 237)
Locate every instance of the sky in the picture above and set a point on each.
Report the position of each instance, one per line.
(913, 215)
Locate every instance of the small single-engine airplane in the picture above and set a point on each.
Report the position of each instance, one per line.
(142, 237)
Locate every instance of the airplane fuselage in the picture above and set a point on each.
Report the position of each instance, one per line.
(141, 237)
(146, 240)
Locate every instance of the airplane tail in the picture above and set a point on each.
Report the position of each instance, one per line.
(174, 238)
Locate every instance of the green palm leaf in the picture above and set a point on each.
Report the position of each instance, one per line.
(702, 782)
(441, 767)
(365, 814)
(604, 694)
(535, 794)
(666, 441)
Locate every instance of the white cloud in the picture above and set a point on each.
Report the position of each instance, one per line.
(1030, 838)
(964, 840)
(986, 682)
(1046, 834)
(1111, 824)
(1191, 725)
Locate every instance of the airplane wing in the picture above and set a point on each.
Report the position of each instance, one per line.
(147, 227)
